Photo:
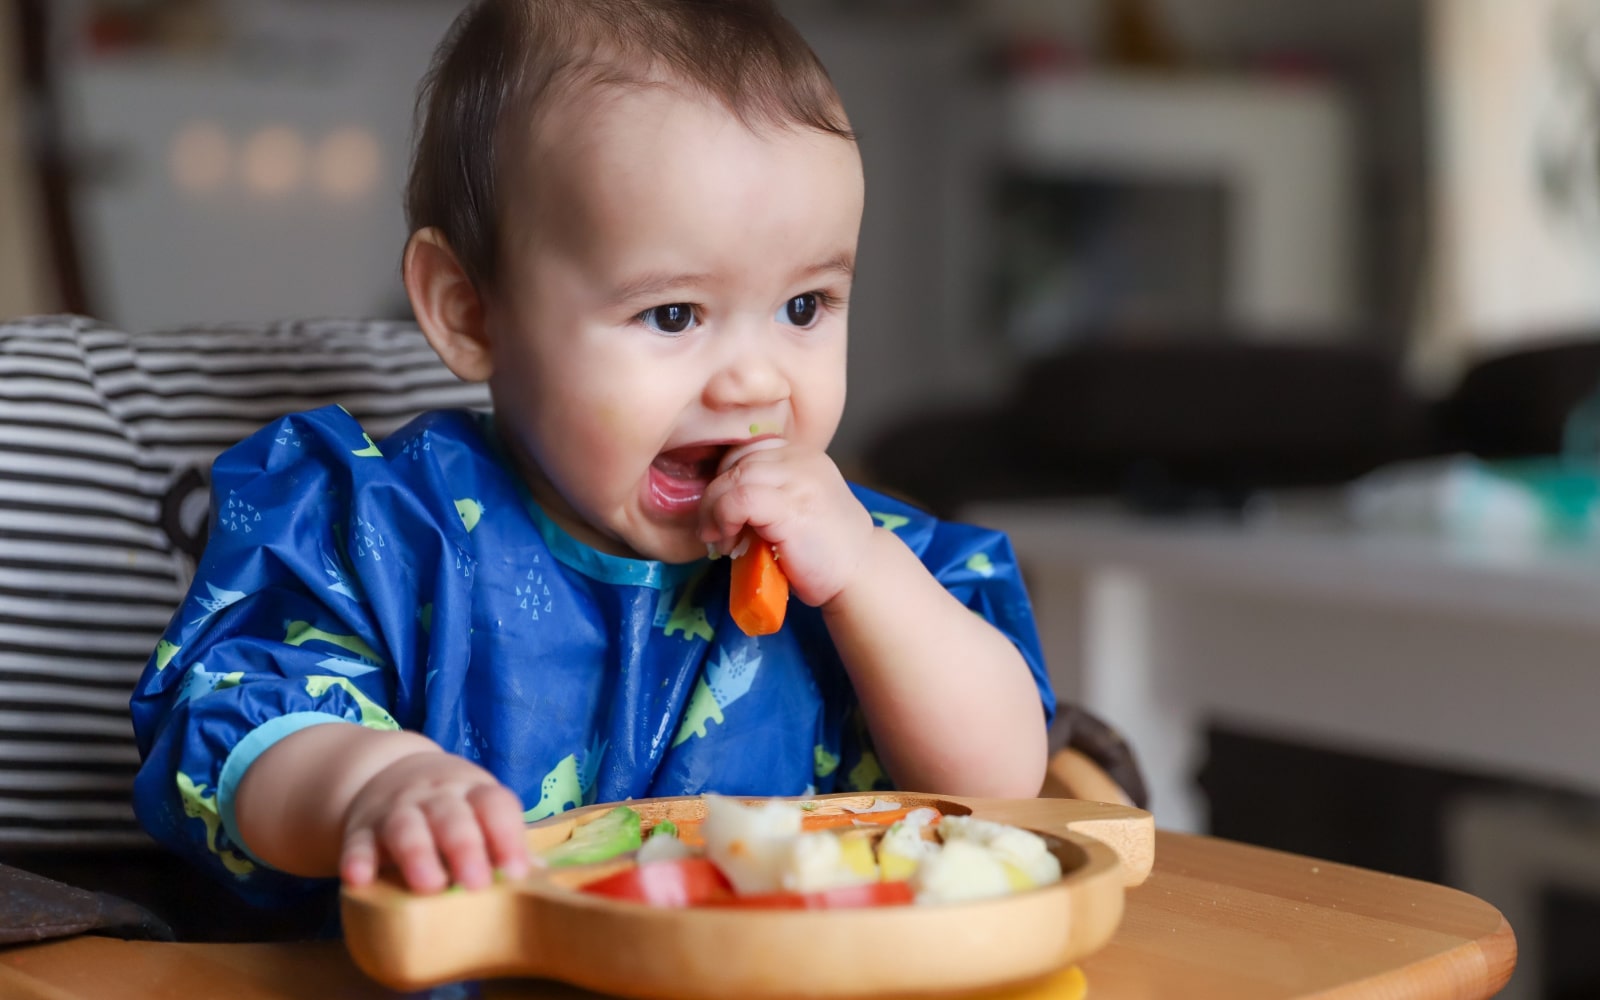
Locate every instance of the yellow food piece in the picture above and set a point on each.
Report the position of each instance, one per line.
(1018, 878)
(856, 853)
(896, 867)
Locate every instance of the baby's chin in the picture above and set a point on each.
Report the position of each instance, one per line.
(672, 547)
(646, 538)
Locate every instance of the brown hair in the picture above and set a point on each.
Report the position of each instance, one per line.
(502, 56)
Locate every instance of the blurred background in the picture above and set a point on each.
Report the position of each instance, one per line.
(1270, 329)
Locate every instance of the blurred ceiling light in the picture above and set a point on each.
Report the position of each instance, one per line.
(348, 163)
(274, 161)
(200, 158)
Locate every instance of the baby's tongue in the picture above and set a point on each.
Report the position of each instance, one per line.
(697, 463)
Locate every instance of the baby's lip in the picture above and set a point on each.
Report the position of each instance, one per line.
(680, 460)
(679, 476)
(691, 463)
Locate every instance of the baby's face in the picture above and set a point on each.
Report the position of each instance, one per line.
(673, 284)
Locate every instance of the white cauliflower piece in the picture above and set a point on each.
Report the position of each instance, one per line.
(903, 847)
(959, 872)
(663, 848)
(816, 862)
(1025, 851)
(750, 844)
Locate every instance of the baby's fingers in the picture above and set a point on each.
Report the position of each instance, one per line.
(500, 816)
(724, 517)
(358, 861)
(460, 839)
(407, 838)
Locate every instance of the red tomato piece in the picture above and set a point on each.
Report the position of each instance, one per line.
(852, 897)
(686, 882)
(697, 882)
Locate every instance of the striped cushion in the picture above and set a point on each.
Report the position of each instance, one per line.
(101, 435)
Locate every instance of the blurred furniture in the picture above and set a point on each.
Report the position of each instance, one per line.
(251, 177)
(1294, 624)
(34, 908)
(1518, 851)
(1168, 425)
(1215, 921)
(1512, 404)
(1202, 421)
(1092, 762)
(1280, 151)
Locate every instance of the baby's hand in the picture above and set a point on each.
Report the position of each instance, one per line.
(797, 500)
(440, 819)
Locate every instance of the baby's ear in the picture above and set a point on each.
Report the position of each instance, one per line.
(447, 306)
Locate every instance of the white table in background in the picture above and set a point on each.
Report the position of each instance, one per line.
(1297, 625)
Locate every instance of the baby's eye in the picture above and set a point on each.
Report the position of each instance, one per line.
(671, 320)
(801, 310)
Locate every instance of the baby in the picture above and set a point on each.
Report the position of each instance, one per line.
(636, 220)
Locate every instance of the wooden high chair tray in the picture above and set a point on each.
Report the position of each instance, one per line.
(542, 927)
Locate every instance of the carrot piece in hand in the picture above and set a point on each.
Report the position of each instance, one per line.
(758, 594)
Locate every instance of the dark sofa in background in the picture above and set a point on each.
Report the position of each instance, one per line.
(1203, 423)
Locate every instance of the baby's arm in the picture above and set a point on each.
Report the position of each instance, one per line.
(339, 798)
(948, 699)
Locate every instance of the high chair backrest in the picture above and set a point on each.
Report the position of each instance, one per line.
(106, 440)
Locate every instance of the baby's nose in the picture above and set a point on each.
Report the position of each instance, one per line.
(749, 380)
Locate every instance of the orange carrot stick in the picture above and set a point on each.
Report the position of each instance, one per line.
(758, 594)
(831, 820)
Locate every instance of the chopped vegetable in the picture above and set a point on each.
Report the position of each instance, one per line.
(877, 806)
(828, 821)
(689, 832)
(758, 594)
(855, 851)
(820, 861)
(686, 882)
(613, 833)
(697, 882)
(1023, 850)
(749, 843)
(846, 898)
(664, 848)
(959, 872)
(905, 845)
(775, 854)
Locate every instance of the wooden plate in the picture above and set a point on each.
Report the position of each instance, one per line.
(542, 927)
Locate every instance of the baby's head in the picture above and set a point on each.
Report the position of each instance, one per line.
(637, 220)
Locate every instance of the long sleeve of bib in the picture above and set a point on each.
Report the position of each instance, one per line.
(311, 605)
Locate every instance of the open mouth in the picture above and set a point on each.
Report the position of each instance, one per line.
(679, 476)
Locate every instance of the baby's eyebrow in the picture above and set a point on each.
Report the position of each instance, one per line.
(654, 284)
(841, 263)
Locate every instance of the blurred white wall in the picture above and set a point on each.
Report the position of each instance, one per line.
(170, 242)
(258, 182)
(1515, 96)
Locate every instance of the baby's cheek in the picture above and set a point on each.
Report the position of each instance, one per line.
(608, 416)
